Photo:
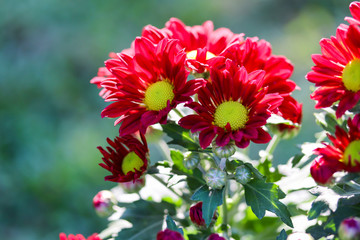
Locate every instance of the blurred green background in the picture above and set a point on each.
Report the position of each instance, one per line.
(50, 120)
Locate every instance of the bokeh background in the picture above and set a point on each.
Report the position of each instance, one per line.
(50, 120)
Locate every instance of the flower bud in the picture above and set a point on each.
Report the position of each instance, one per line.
(215, 178)
(215, 236)
(196, 216)
(103, 203)
(169, 235)
(243, 174)
(191, 160)
(322, 171)
(300, 236)
(133, 186)
(224, 151)
(350, 229)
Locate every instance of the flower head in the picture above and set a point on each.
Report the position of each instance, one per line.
(148, 85)
(343, 154)
(169, 235)
(63, 236)
(336, 72)
(234, 105)
(125, 158)
(202, 42)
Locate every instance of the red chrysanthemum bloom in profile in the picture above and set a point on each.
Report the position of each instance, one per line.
(255, 54)
(202, 42)
(125, 158)
(234, 105)
(336, 72)
(148, 85)
(343, 154)
(63, 236)
(169, 235)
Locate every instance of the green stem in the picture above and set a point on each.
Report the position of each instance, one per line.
(160, 180)
(271, 147)
(225, 211)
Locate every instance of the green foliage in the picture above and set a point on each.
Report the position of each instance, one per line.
(262, 196)
(172, 225)
(180, 136)
(146, 216)
(282, 236)
(211, 200)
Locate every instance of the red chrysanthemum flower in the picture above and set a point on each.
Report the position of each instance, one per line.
(148, 85)
(255, 54)
(63, 236)
(202, 42)
(337, 71)
(343, 154)
(125, 158)
(233, 105)
(169, 235)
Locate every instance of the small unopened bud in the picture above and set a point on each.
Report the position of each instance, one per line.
(215, 178)
(103, 203)
(133, 187)
(215, 236)
(300, 236)
(350, 229)
(242, 174)
(169, 235)
(191, 160)
(225, 151)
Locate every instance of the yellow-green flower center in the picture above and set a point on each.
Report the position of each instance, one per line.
(352, 153)
(158, 94)
(131, 162)
(351, 75)
(192, 55)
(233, 113)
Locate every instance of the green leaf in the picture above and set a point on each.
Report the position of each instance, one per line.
(172, 225)
(317, 207)
(262, 196)
(211, 199)
(146, 217)
(179, 135)
(178, 159)
(282, 236)
(296, 159)
(271, 176)
(254, 170)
